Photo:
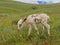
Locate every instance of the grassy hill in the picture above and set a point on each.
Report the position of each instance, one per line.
(11, 12)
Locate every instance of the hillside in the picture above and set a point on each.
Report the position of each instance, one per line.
(11, 12)
(20, 8)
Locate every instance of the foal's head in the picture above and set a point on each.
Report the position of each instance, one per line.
(21, 23)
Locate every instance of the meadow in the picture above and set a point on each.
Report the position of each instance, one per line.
(11, 12)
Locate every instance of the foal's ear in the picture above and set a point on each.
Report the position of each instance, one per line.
(24, 19)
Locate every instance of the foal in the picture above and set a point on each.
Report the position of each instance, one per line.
(34, 19)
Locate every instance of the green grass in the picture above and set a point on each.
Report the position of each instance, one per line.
(11, 12)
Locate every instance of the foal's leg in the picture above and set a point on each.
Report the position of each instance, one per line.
(48, 27)
(30, 28)
(43, 29)
(36, 28)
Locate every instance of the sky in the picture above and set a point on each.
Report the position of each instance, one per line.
(34, 1)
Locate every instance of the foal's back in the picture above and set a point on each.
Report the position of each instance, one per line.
(42, 16)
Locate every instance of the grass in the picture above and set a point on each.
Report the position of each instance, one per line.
(11, 12)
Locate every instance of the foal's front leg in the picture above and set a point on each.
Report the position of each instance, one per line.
(36, 28)
(30, 28)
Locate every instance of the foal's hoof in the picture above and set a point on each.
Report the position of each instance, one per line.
(49, 34)
(38, 33)
(29, 37)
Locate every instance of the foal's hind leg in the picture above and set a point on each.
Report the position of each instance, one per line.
(48, 27)
(43, 29)
(36, 28)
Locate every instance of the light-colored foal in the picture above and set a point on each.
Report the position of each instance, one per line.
(34, 19)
